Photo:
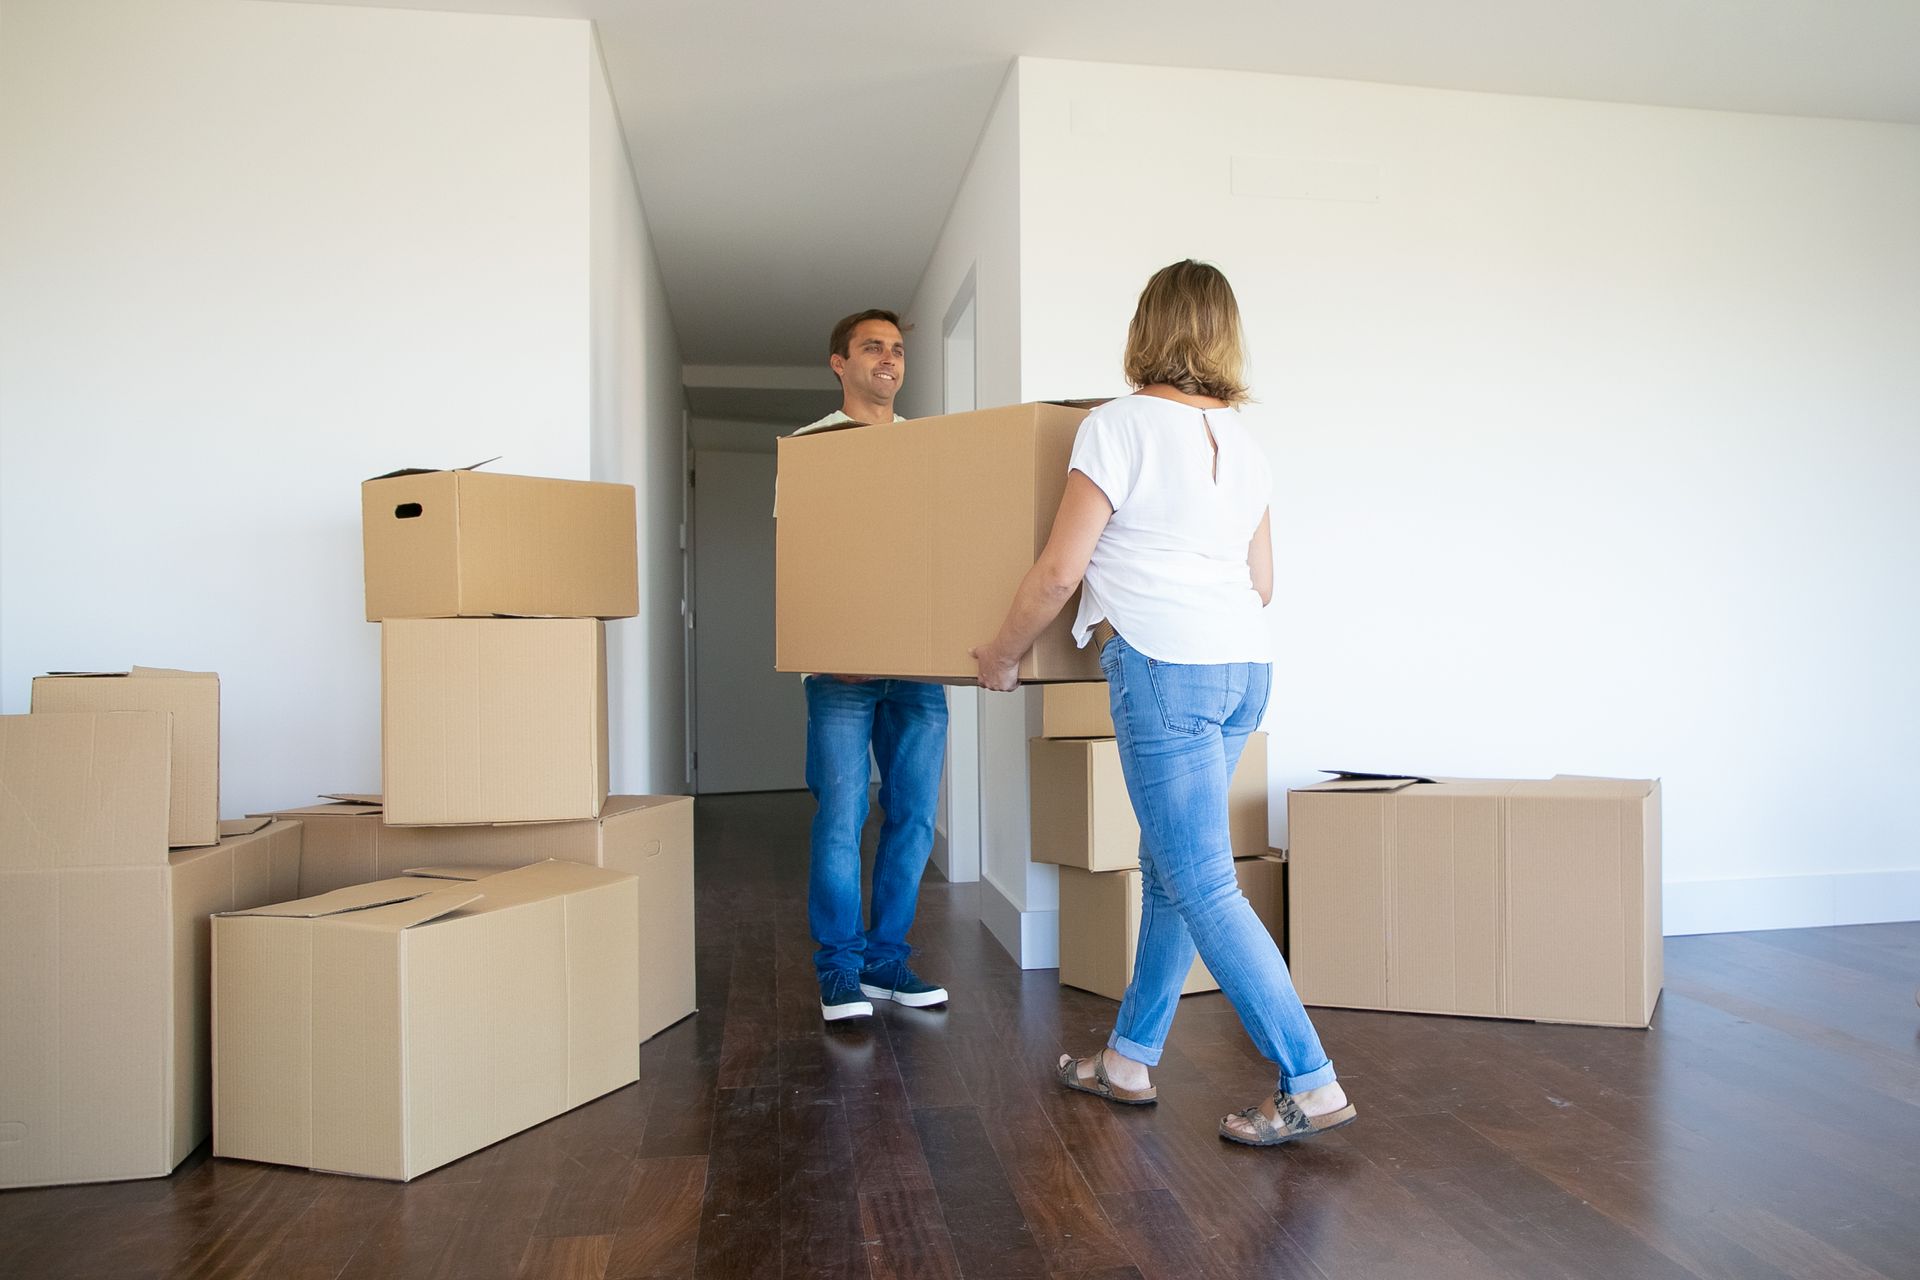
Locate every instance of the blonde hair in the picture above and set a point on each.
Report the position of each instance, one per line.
(1186, 333)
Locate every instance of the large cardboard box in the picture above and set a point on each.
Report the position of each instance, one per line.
(1081, 816)
(1076, 711)
(386, 1029)
(469, 544)
(1513, 899)
(1100, 924)
(104, 949)
(193, 699)
(488, 720)
(899, 545)
(649, 837)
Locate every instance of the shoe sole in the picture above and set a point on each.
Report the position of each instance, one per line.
(920, 1001)
(1347, 1116)
(841, 1012)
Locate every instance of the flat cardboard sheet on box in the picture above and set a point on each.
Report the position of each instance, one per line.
(193, 700)
(1081, 816)
(104, 948)
(899, 545)
(650, 837)
(386, 1029)
(487, 720)
(1517, 899)
(472, 544)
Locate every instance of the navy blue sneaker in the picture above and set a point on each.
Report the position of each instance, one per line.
(840, 997)
(896, 982)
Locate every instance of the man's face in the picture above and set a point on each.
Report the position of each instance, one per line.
(876, 361)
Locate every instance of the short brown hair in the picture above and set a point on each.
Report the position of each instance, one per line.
(840, 344)
(1185, 333)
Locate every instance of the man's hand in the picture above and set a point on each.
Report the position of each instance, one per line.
(997, 672)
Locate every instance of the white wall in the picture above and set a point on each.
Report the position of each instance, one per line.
(1596, 434)
(251, 254)
(638, 428)
(982, 236)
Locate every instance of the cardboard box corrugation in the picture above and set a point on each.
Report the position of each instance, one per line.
(490, 720)
(919, 532)
(1100, 924)
(1519, 899)
(472, 544)
(193, 700)
(386, 1029)
(650, 837)
(1080, 815)
(104, 944)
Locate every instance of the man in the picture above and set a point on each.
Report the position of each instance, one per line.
(905, 724)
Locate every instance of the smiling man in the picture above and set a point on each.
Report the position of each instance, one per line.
(905, 724)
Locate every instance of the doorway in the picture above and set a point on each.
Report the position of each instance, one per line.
(749, 721)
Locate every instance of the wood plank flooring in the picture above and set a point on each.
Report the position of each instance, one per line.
(1767, 1127)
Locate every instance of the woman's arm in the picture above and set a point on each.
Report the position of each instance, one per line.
(1083, 515)
(1260, 558)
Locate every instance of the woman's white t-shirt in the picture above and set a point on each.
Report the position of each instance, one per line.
(1170, 571)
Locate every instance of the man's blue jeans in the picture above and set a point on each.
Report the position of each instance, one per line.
(905, 721)
(1181, 729)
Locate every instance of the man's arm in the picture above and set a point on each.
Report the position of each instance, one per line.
(1055, 576)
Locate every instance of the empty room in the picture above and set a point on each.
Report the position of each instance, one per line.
(1089, 640)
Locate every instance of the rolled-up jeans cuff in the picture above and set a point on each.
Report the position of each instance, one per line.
(1322, 1075)
(1151, 1057)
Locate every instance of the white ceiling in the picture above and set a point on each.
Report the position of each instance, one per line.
(796, 157)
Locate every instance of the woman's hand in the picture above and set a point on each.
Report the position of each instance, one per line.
(1046, 588)
(997, 672)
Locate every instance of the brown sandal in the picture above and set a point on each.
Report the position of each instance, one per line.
(1289, 1124)
(1068, 1074)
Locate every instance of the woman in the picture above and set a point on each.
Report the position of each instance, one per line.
(1165, 521)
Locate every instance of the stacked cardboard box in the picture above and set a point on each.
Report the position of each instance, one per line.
(648, 837)
(492, 592)
(105, 949)
(1081, 818)
(388, 1028)
(1515, 899)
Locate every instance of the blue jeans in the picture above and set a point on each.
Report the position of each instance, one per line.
(905, 721)
(1181, 729)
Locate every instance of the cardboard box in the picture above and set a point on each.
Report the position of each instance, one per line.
(193, 699)
(488, 720)
(386, 1029)
(1076, 711)
(650, 837)
(1513, 899)
(104, 949)
(1081, 816)
(899, 545)
(1100, 924)
(1264, 880)
(469, 544)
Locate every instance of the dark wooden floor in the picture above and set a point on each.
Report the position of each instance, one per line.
(1768, 1126)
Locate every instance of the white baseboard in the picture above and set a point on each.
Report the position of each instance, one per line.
(1789, 902)
(1032, 938)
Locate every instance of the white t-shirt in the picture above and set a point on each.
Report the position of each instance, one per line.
(1170, 570)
